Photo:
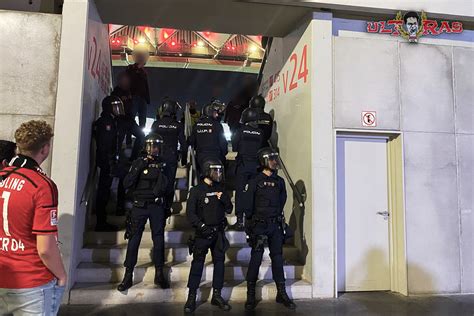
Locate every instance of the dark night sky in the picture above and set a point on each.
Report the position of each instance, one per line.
(190, 84)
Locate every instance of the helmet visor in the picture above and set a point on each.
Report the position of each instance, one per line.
(154, 147)
(117, 108)
(272, 161)
(216, 173)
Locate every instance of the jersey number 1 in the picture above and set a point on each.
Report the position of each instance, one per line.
(6, 198)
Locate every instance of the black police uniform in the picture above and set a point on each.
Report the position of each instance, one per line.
(172, 132)
(246, 142)
(204, 207)
(265, 197)
(140, 92)
(127, 124)
(149, 184)
(265, 123)
(208, 139)
(105, 133)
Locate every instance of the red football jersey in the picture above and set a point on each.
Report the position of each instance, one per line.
(28, 203)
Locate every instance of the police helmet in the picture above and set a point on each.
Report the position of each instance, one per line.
(169, 108)
(113, 105)
(211, 111)
(268, 158)
(213, 169)
(257, 102)
(154, 145)
(249, 115)
(219, 106)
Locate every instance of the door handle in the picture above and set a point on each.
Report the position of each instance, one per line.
(385, 215)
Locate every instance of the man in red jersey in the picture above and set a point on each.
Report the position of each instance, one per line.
(32, 275)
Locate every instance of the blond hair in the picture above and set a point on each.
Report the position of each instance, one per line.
(31, 136)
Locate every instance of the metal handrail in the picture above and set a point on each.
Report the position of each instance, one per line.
(188, 127)
(300, 197)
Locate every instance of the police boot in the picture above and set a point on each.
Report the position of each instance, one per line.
(282, 297)
(127, 280)
(190, 305)
(251, 302)
(239, 225)
(217, 300)
(160, 278)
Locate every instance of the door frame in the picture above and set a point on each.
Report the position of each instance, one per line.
(396, 204)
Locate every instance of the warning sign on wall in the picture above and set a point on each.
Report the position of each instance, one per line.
(369, 118)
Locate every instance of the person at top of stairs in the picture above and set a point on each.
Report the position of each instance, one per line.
(147, 178)
(206, 209)
(265, 197)
(246, 141)
(172, 132)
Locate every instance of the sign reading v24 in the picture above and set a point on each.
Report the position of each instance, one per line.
(302, 71)
(294, 74)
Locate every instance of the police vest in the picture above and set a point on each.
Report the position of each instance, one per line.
(250, 143)
(151, 184)
(207, 136)
(267, 198)
(210, 209)
(167, 128)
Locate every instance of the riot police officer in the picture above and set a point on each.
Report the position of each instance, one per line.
(265, 225)
(172, 132)
(206, 207)
(265, 121)
(207, 137)
(105, 133)
(149, 184)
(246, 142)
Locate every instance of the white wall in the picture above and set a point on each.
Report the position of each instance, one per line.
(425, 91)
(79, 93)
(292, 114)
(29, 75)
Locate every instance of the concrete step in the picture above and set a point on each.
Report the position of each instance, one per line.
(145, 272)
(171, 236)
(173, 253)
(147, 292)
(178, 221)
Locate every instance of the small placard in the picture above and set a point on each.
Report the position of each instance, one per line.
(369, 118)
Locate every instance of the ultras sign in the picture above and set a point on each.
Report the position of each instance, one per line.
(412, 26)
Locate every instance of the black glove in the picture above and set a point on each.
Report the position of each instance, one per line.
(206, 231)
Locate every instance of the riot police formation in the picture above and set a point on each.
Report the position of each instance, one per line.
(206, 209)
(207, 137)
(246, 141)
(265, 225)
(150, 187)
(265, 121)
(105, 133)
(172, 132)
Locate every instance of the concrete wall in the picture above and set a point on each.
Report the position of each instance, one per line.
(425, 91)
(29, 76)
(292, 113)
(79, 94)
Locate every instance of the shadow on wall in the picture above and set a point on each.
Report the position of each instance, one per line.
(296, 220)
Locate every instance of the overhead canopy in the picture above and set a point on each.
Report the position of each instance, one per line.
(221, 16)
